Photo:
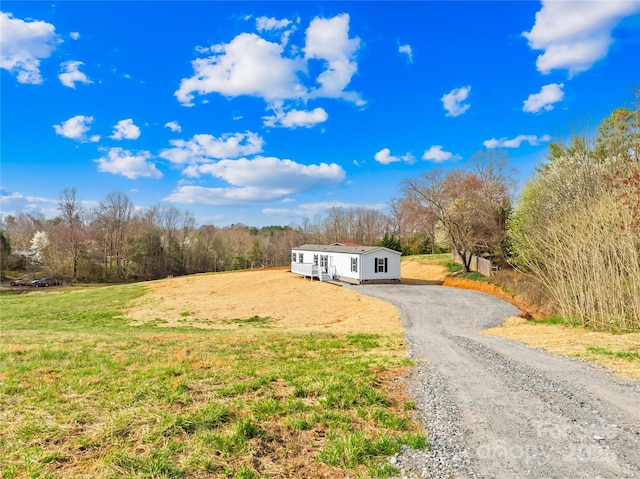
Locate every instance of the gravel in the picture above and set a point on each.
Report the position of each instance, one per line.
(495, 408)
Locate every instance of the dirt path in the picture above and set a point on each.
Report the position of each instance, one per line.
(497, 408)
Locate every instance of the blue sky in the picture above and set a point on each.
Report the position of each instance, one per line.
(269, 112)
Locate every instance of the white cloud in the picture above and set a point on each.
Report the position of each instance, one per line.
(76, 128)
(452, 101)
(406, 50)
(385, 157)
(437, 155)
(533, 140)
(251, 65)
(202, 50)
(204, 148)
(328, 40)
(296, 118)
(125, 130)
(14, 202)
(258, 180)
(72, 74)
(126, 163)
(549, 94)
(192, 194)
(23, 45)
(575, 34)
(269, 23)
(248, 65)
(75, 35)
(274, 174)
(275, 26)
(174, 126)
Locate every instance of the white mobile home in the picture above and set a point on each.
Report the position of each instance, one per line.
(347, 263)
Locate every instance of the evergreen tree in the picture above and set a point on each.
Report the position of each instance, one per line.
(390, 242)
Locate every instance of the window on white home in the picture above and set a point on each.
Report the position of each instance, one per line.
(315, 259)
(380, 265)
(301, 256)
(293, 257)
(354, 264)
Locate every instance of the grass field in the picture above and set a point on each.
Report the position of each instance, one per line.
(83, 393)
(245, 375)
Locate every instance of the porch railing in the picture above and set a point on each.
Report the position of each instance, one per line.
(312, 270)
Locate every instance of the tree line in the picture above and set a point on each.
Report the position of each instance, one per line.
(574, 229)
(117, 241)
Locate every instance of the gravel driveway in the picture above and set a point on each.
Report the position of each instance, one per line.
(495, 408)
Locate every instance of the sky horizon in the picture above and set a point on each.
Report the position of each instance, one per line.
(266, 113)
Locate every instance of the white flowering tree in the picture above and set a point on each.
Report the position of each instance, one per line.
(39, 244)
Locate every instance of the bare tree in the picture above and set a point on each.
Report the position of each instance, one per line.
(368, 226)
(144, 240)
(414, 223)
(471, 206)
(188, 225)
(71, 213)
(113, 216)
(311, 232)
(336, 225)
(170, 221)
(21, 228)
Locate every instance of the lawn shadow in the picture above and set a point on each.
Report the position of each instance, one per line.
(434, 282)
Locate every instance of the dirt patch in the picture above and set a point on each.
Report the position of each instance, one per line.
(604, 348)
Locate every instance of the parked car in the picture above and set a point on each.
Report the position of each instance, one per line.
(52, 281)
(20, 282)
(38, 283)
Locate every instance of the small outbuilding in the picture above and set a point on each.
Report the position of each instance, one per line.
(347, 262)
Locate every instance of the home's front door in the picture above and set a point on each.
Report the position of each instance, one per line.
(324, 263)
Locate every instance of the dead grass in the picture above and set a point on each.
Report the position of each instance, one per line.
(289, 302)
(279, 298)
(529, 291)
(416, 272)
(600, 347)
(618, 352)
(296, 304)
(496, 291)
(577, 342)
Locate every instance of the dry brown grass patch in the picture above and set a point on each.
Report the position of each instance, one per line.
(284, 301)
(575, 341)
(416, 272)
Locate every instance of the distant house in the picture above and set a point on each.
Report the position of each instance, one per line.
(347, 262)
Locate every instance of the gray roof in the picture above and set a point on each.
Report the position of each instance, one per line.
(331, 248)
